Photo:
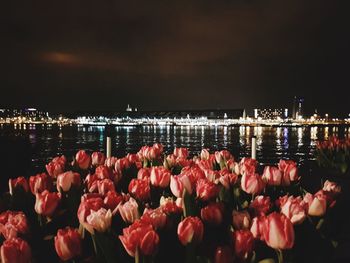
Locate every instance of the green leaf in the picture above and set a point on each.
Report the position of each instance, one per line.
(189, 205)
(267, 260)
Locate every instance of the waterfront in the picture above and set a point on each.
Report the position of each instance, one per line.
(39, 143)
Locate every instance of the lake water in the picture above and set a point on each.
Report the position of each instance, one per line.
(39, 143)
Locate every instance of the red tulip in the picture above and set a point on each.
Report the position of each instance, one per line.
(240, 219)
(97, 158)
(294, 208)
(247, 165)
(46, 203)
(99, 220)
(206, 164)
(83, 160)
(103, 172)
(261, 205)
(227, 179)
(181, 152)
(223, 156)
(252, 183)
(122, 164)
(160, 177)
(102, 186)
(66, 180)
(129, 211)
(194, 173)
(110, 162)
(289, 170)
(13, 223)
(257, 227)
(18, 183)
(332, 187)
(88, 203)
(144, 173)
(40, 182)
(140, 189)
(204, 154)
(243, 243)
(169, 206)
(140, 236)
(278, 231)
(206, 190)
(56, 166)
(233, 166)
(112, 200)
(156, 217)
(272, 175)
(15, 250)
(68, 243)
(179, 183)
(316, 204)
(190, 230)
(150, 152)
(213, 213)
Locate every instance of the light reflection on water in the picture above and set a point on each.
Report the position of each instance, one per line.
(273, 143)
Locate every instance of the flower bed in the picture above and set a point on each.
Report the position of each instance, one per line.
(152, 207)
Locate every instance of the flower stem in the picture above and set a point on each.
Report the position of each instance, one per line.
(95, 244)
(137, 256)
(279, 255)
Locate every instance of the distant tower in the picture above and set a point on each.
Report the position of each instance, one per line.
(298, 107)
(256, 113)
(128, 108)
(294, 110)
(244, 114)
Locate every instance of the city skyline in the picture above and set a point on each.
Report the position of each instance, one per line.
(94, 56)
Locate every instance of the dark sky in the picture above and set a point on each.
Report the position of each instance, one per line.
(100, 55)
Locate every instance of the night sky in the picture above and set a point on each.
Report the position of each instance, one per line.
(159, 55)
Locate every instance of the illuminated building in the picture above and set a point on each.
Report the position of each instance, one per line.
(270, 114)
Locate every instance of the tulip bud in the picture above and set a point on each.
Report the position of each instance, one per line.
(19, 183)
(66, 180)
(68, 243)
(141, 237)
(190, 230)
(240, 219)
(46, 203)
(252, 183)
(129, 211)
(243, 243)
(40, 183)
(278, 231)
(83, 160)
(206, 190)
(15, 250)
(97, 158)
(160, 177)
(100, 220)
(213, 213)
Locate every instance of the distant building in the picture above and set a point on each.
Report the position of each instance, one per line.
(270, 114)
(209, 114)
(31, 113)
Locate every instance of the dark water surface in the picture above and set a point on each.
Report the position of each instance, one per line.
(34, 145)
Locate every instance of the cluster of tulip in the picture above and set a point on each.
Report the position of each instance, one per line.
(334, 154)
(155, 207)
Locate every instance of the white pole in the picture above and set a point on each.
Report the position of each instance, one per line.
(253, 147)
(109, 147)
